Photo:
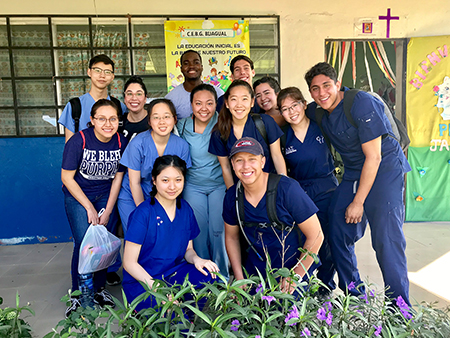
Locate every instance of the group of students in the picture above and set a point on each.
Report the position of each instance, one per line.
(230, 168)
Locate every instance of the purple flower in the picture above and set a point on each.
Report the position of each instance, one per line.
(321, 314)
(406, 314)
(328, 306)
(329, 319)
(258, 336)
(364, 296)
(401, 303)
(377, 330)
(235, 325)
(259, 288)
(372, 293)
(292, 314)
(268, 298)
(351, 286)
(306, 332)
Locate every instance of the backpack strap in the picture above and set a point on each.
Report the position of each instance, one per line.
(349, 97)
(259, 123)
(241, 216)
(84, 138)
(118, 140)
(271, 200)
(75, 104)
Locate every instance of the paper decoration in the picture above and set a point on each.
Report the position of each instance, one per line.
(422, 171)
(418, 197)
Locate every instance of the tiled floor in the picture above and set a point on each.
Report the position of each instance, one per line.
(41, 272)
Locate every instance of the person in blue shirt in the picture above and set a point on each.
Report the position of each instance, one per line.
(91, 178)
(372, 186)
(204, 189)
(310, 163)
(235, 122)
(293, 207)
(242, 68)
(101, 73)
(266, 92)
(191, 68)
(142, 153)
(158, 244)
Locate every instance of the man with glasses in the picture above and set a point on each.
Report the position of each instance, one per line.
(191, 68)
(101, 72)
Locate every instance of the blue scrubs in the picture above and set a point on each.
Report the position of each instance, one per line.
(218, 148)
(204, 190)
(162, 253)
(140, 155)
(311, 164)
(383, 208)
(293, 206)
(87, 101)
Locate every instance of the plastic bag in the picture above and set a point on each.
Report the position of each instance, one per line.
(98, 250)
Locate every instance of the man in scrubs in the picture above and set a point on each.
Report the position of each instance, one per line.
(372, 185)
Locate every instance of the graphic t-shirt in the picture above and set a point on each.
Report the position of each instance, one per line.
(96, 163)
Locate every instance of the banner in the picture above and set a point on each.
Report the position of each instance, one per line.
(217, 41)
(428, 122)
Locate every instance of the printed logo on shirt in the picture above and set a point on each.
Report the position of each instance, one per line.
(99, 164)
(320, 139)
(290, 150)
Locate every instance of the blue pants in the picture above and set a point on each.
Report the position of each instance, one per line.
(126, 207)
(385, 212)
(78, 221)
(207, 203)
(133, 290)
(321, 191)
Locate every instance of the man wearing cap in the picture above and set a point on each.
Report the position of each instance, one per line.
(294, 209)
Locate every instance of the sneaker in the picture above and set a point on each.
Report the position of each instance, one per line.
(74, 305)
(103, 297)
(112, 278)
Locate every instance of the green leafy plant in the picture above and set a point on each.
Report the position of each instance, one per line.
(255, 307)
(11, 325)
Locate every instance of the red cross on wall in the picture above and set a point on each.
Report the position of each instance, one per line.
(388, 19)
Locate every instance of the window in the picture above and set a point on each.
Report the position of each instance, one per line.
(44, 61)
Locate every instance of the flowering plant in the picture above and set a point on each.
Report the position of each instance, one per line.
(255, 307)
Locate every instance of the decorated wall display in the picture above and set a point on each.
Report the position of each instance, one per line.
(218, 41)
(428, 122)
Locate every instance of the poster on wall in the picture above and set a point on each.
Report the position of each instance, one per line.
(428, 122)
(217, 41)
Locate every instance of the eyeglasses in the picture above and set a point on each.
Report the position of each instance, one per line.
(165, 118)
(103, 120)
(131, 94)
(107, 72)
(291, 108)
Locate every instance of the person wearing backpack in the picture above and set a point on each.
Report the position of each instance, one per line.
(235, 121)
(373, 182)
(274, 214)
(76, 113)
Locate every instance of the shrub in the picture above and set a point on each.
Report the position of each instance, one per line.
(11, 325)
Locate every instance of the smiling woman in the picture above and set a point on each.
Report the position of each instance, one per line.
(91, 178)
(142, 152)
(151, 250)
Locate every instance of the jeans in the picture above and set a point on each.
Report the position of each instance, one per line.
(207, 203)
(78, 221)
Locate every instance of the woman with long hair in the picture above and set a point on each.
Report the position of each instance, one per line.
(311, 164)
(91, 178)
(158, 244)
(236, 122)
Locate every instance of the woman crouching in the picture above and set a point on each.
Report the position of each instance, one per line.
(160, 233)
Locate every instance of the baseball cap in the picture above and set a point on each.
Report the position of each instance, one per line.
(246, 145)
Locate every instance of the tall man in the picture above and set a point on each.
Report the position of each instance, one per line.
(191, 68)
(292, 206)
(101, 73)
(372, 186)
(242, 68)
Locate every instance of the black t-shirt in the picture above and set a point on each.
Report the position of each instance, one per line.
(131, 129)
